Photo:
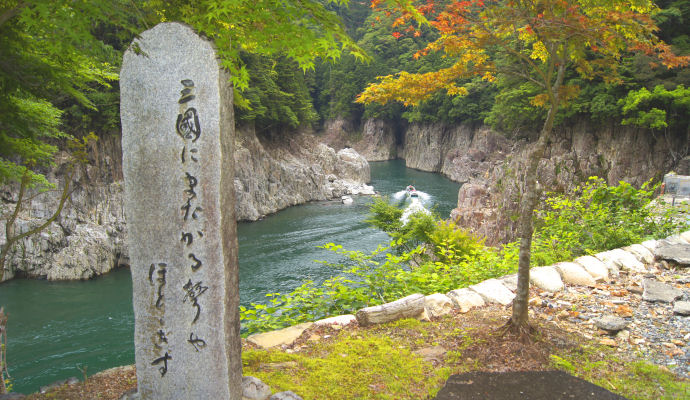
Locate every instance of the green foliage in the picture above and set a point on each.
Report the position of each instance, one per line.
(386, 217)
(657, 109)
(299, 30)
(51, 55)
(596, 217)
(277, 95)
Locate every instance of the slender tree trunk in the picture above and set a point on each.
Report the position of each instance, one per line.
(519, 321)
(10, 238)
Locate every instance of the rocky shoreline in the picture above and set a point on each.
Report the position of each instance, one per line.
(88, 239)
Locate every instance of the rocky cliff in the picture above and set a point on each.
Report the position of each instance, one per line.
(490, 165)
(88, 239)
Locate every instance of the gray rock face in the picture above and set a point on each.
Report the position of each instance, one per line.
(178, 138)
(657, 291)
(678, 253)
(254, 389)
(273, 175)
(611, 323)
(87, 239)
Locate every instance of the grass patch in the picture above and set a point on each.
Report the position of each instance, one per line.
(359, 365)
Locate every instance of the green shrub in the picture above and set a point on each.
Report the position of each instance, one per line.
(596, 217)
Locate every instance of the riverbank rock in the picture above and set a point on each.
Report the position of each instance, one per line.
(611, 323)
(466, 299)
(657, 291)
(88, 238)
(274, 172)
(676, 252)
(254, 389)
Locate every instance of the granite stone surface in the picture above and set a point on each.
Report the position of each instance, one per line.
(177, 141)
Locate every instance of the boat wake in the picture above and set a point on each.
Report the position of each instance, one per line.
(416, 201)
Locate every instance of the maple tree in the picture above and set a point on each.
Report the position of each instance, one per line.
(531, 41)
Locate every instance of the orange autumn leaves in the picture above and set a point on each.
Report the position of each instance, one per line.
(525, 39)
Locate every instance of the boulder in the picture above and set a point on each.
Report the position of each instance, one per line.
(642, 253)
(438, 304)
(681, 308)
(627, 261)
(493, 291)
(611, 323)
(254, 389)
(678, 253)
(280, 337)
(575, 274)
(661, 292)
(594, 267)
(287, 395)
(685, 236)
(466, 299)
(546, 278)
(650, 245)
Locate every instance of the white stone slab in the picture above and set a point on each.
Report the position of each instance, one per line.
(627, 261)
(466, 299)
(337, 320)
(642, 253)
(546, 278)
(281, 337)
(438, 304)
(685, 236)
(510, 281)
(651, 245)
(493, 291)
(574, 274)
(594, 267)
(610, 262)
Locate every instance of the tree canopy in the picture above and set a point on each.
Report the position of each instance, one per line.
(532, 43)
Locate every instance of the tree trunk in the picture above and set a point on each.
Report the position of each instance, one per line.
(10, 238)
(519, 321)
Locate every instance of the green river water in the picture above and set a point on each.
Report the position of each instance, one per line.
(57, 328)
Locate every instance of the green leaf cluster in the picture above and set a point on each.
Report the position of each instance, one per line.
(52, 56)
(596, 217)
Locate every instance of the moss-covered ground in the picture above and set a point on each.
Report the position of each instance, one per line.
(409, 359)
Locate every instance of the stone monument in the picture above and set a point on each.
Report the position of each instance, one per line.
(177, 142)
